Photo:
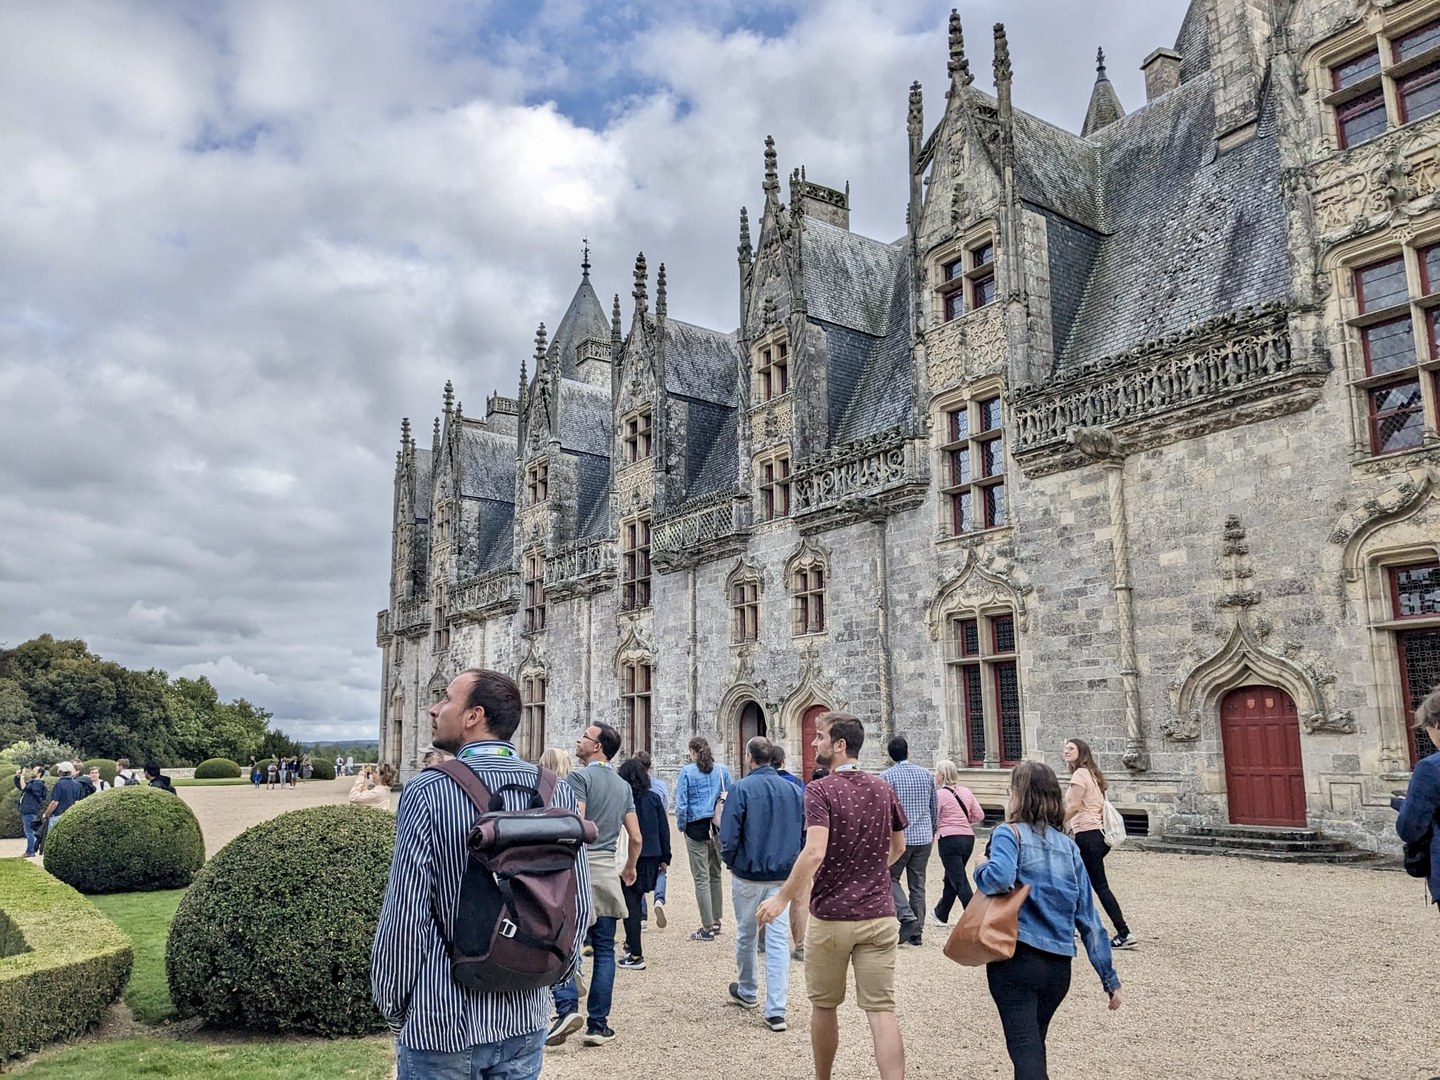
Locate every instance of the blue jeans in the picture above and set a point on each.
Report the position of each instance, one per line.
(27, 823)
(516, 1058)
(660, 888)
(747, 897)
(602, 977)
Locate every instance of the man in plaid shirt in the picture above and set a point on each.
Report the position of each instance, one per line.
(915, 788)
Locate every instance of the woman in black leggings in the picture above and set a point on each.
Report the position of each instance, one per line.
(1085, 821)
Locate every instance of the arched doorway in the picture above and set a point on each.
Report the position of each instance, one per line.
(752, 723)
(807, 738)
(1264, 778)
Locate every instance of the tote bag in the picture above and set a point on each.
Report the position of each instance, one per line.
(989, 926)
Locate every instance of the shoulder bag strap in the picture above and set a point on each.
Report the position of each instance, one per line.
(471, 784)
(545, 786)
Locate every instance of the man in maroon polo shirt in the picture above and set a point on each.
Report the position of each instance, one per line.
(855, 828)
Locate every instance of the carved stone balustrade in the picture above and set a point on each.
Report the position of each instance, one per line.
(579, 568)
(1234, 370)
(708, 529)
(490, 594)
(410, 616)
(880, 475)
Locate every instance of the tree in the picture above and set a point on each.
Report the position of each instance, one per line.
(17, 714)
(278, 744)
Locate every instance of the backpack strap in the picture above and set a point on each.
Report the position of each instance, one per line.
(471, 784)
(545, 786)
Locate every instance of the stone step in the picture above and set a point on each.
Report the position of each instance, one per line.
(1268, 832)
(1255, 843)
(1345, 856)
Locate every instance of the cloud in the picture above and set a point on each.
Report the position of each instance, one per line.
(245, 239)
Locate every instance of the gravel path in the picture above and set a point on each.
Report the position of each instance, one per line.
(1245, 969)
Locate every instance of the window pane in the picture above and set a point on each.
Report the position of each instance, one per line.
(1362, 119)
(982, 255)
(974, 705)
(959, 467)
(1417, 590)
(1419, 93)
(992, 457)
(1430, 265)
(994, 506)
(1389, 346)
(1353, 71)
(1004, 630)
(954, 304)
(1397, 417)
(817, 612)
(1420, 671)
(960, 424)
(1381, 285)
(985, 290)
(953, 270)
(969, 638)
(964, 512)
(1417, 41)
(1007, 694)
(990, 414)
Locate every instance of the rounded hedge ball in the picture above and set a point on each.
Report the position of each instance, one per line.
(275, 933)
(217, 768)
(321, 769)
(128, 839)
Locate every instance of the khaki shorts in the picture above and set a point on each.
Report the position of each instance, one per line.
(831, 946)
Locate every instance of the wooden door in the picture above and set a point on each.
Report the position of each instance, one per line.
(752, 723)
(1260, 733)
(807, 739)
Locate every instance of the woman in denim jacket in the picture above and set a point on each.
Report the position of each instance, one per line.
(699, 786)
(1030, 986)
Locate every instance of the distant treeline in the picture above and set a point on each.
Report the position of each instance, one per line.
(359, 749)
(60, 690)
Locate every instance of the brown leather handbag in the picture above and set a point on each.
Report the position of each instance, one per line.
(989, 926)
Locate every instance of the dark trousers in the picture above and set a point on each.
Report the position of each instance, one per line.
(634, 899)
(1093, 850)
(954, 854)
(910, 906)
(1027, 989)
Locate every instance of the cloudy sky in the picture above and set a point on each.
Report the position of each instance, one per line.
(239, 241)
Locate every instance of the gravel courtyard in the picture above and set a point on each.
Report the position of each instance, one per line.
(1245, 969)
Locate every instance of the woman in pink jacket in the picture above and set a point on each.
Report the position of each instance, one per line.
(959, 812)
(1085, 821)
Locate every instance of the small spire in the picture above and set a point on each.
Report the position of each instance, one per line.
(915, 122)
(1105, 107)
(615, 336)
(459, 410)
(540, 347)
(1003, 71)
(959, 66)
(585, 261)
(660, 303)
(772, 174)
(639, 294)
(1100, 63)
(405, 431)
(449, 397)
(524, 379)
(744, 248)
(435, 440)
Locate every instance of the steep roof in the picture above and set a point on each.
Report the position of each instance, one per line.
(846, 277)
(487, 463)
(1057, 169)
(586, 420)
(712, 448)
(1105, 107)
(700, 363)
(883, 397)
(583, 320)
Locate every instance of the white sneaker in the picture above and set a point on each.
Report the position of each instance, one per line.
(659, 909)
(935, 920)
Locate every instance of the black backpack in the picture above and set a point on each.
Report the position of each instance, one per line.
(514, 926)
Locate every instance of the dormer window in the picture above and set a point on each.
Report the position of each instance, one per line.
(774, 485)
(1382, 81)
(537, 482)
(967, 282)
(773, 370)
(639, 436)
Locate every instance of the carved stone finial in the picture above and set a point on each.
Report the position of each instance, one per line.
(1003, 71)
(642, 299)
(585, 260)
(959, 66)
(405, 431)
(540, 347)
(459, 410)
(915, 121)
(660, 301)
(524, 379)
(744, 247)
(436, 440)
(1100, 63)
(615, 335)
(772, 173)
(449, 397)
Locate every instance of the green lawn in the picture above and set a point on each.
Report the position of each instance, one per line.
(262, 1059)
(145, 918)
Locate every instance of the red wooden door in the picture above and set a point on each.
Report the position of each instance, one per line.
(1260, 733)
(807, 738)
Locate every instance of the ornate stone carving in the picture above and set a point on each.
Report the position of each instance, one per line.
(982, 580)
(890, 462)
(411, 616)
(1236, 369)
(635, 486)
(533, 662)
(965, 348)
(580, 567)
(487, 594)
(1237, 572)
(635, 646)
(1096, 443)
(1341, 723)
(534, 524)
(1396, 176)
(1181, 728)
(1398, 503)
(773, 422)
(681, 537)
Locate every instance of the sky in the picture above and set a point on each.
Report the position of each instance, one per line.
(239, 241)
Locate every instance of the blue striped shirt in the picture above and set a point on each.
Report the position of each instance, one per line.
(410, 977)
(915, 788)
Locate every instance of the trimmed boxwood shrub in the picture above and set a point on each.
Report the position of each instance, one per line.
(10, 827)
(126, 840)
(62, 965)
(106, 766)
(322, 769)
(217, 768)
(275, 933)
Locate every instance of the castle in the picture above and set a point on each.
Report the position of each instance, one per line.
(1131, 436)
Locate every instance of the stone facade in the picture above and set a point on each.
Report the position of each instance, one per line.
(1091, 448)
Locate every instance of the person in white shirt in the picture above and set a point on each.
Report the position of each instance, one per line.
(350, 765)
(100, 785)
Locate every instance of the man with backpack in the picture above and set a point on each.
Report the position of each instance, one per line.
(452, 1005)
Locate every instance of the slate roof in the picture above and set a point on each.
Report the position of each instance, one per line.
(1105, 107)
(495, 539)
(1056, 168)
(592, 476)
(845, 277)
(712, 448)
(586, 420)
(487, 464)
(583, 319)
(699, 363)
(884, 396)
(1193, 43)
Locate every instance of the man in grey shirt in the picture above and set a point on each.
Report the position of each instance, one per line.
(608, 801)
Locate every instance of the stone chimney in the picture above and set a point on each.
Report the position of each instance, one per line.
(1162, 72)
(502, 414)
(820, 203)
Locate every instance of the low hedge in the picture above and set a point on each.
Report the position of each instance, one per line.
(275, 933)
(217, 768)
(106, 767)
(71, 965)
(322, 769)
(125, 840)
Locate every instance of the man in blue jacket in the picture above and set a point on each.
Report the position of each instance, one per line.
(1419, 821)
(760, 841)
